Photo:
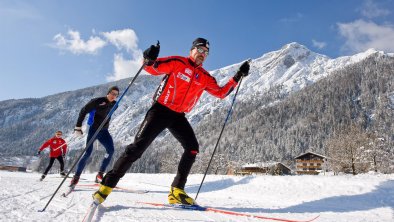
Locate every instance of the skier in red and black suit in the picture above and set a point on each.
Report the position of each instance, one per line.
(58, 150)
(184, 81)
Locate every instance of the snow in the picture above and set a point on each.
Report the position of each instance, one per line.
(17, 160)
(366, 197)
(391, 98)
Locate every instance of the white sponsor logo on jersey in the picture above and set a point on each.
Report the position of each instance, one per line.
(188, 71)
(183, 77)
(167, 95)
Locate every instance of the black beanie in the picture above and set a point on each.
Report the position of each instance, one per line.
(201, 42)
(113, 88)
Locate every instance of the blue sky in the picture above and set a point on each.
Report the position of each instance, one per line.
(50, 46)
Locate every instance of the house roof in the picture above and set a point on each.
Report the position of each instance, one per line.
(264, 164)
(310, 153)
(250, 165)
(285, 166)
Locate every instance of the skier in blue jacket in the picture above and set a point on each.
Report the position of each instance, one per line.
(98, 109)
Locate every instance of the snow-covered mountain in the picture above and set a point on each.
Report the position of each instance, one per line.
(26, 123)
(294, 66)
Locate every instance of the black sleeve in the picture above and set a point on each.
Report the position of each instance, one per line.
(85, 110)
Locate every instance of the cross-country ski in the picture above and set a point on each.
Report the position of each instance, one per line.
(129, 190)
(216, 210)
(69, 190)
(92, 186)
(90, 212)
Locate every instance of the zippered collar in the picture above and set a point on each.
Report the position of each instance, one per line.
(192, 63)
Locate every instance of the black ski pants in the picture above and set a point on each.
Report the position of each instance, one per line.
(156, 120)
(51, 161)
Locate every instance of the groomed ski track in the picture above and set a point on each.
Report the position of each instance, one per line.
(367, 197)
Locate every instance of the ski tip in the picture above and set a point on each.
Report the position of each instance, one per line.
(90, 213)
(189, 207)
(41, 210)
(313, 218)
(182, 206)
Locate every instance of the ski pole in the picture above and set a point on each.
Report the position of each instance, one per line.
(220, 135)
(60, 147)
(96, 133)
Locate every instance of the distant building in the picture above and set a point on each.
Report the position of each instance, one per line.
(13, 168)
(272, 168)
(310, 163)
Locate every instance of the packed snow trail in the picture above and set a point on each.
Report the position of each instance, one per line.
(367, 197)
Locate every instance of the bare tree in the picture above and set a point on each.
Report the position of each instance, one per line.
(346, 150)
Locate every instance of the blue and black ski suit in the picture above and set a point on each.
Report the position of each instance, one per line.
(98, 108)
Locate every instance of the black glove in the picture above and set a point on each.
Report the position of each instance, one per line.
(39, 152)
(78, 131)
(242, 71)
(151, 54)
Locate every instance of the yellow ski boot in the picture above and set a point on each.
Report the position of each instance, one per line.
(100, 195)
(179, 196)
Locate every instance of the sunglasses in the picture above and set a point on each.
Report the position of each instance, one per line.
(202, 51)
(114, 94)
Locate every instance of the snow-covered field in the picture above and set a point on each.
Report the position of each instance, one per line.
(368, 197)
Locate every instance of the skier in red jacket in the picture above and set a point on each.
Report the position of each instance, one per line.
(58, 150)
(184, 81)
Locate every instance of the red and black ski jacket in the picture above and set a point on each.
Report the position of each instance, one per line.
(184, 82)
(57, 146)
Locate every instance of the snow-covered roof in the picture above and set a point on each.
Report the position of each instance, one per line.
(264, 164)
(250, 165)
(310, 153)
(285, 166)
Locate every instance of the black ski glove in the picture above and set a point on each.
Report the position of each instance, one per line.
(242, 71)
(38, 153)
(151, 54)
(78, 131)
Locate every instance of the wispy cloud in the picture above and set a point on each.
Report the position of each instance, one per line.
(371, 10)
(18, 11)
(76, 45)
(125, 39)
(292, 19)
(318, 44)
(361, 35)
